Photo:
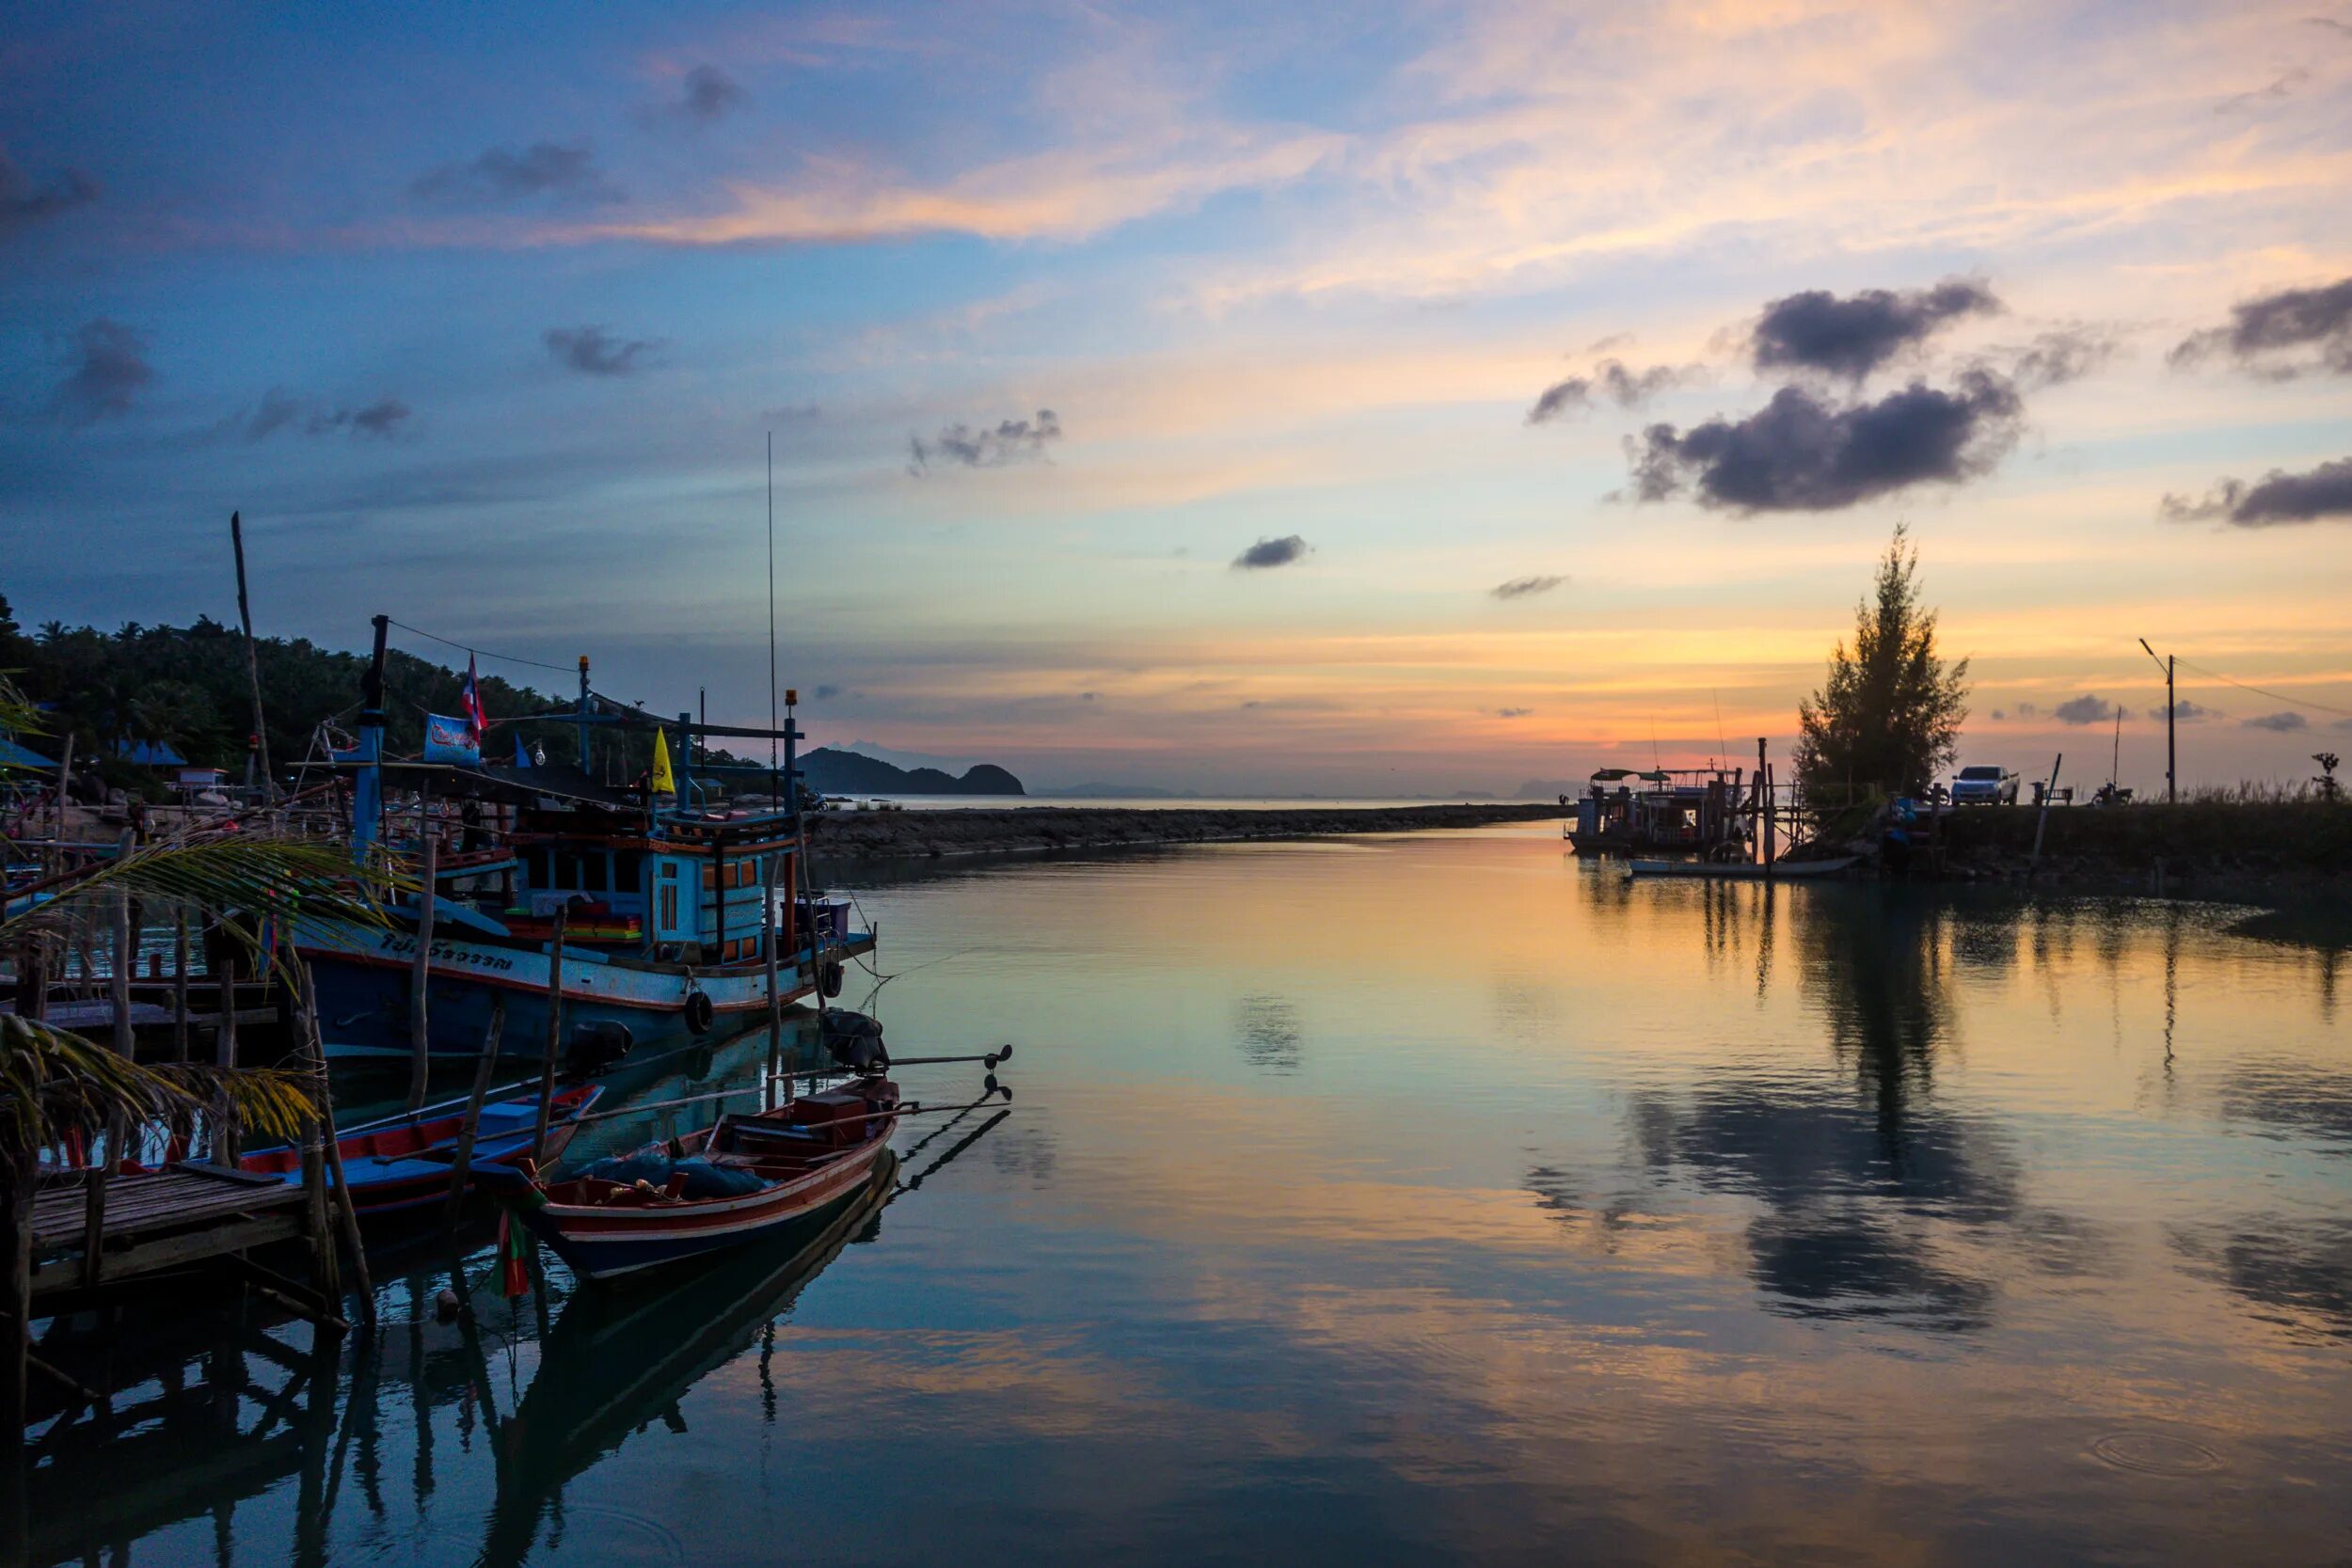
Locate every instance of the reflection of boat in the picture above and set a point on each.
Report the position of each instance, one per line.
(404, 1161)
(617, 1359)
(1697, 810)
(1741, 871)
(742, 1178)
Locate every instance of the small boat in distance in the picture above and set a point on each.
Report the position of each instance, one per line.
(743, 1177)
(404, 1161)
(1746, 871)
(1704, 811)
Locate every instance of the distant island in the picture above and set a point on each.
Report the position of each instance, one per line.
(832, 771)
(1109, 792)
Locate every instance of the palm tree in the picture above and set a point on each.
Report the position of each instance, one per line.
(53, 1080)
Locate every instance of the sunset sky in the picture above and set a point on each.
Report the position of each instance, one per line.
(1368, 398)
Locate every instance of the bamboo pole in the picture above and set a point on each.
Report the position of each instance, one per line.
(253, 664)
(347, 1215)
(180, 988)
(555, 1035)
(420, 1033)
(461, 1169)
(94, 1178)
(2043, 819)
(15, 1364)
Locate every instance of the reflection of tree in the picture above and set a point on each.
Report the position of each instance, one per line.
(1873, 964)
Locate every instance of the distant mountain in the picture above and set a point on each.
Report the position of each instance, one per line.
(1548, 789)
(831, 771)
(1109, 792)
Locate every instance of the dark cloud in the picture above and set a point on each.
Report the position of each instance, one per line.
(2278, 89)
(1799, 454)
(1612, 378)
(592, 351)
(1012, 441)
(2085, 710)
(2278, 723)
(23, 202)
(2265, 328)
(827, 694)
(1513, 712)
(1526, 587)
(567, 174)
(2184, 712)
(710, 93)
(1560, 399)
(281, 409)
(1851, 336)
(2332, 23)
(2278, 498)
(2059, 356)
(109, 371)
(1272, 552)
(2029, 710)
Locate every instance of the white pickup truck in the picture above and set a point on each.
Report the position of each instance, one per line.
(1984, 785)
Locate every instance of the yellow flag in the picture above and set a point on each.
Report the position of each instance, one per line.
(663, 783)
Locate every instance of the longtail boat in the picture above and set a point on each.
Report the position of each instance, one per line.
(404, 1161)
(743, 1177)
(671, 897)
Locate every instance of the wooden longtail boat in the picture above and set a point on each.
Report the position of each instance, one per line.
(784, 1166)
(404, 1161)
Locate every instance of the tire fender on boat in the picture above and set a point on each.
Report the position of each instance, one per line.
(699, 1012)
(829, 980)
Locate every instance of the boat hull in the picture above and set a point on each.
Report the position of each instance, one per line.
(607, 1244)
(364, 979)
(1742, 871)
(404, 1162)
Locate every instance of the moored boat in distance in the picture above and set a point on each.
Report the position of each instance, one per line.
(1704, 811)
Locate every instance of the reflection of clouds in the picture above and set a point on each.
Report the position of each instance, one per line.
(1267, 1030)
(1848, 1209)
(2297, 1272)
(2291, 1097)
(1025, 1151)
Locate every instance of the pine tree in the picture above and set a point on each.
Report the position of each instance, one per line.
(1888, 718)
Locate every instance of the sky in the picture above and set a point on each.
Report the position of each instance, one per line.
(1363, 399)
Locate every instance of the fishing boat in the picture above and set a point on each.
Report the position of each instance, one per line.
(676, 903)
(745, 1178)
(404, 1160)
(1705, 811)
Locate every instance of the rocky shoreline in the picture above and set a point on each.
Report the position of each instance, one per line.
(982, 831)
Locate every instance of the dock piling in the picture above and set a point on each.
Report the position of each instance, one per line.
(461, 1169)
(555, 1037)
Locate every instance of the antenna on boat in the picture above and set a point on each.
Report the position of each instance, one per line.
(1723, 748)
(776, 783)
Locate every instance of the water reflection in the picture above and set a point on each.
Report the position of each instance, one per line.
(1266, 1028)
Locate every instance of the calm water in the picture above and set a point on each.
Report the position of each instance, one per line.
(1430, 1198)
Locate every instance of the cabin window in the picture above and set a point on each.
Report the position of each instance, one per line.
(665, 900)
(535, 868)
(628, 871)
(592, 870)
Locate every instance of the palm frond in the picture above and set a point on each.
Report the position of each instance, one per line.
(292, 879)
(51, 1079)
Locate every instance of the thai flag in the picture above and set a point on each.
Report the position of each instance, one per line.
(469, 703)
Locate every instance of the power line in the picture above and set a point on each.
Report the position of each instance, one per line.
(2274, 696)
(469, 648)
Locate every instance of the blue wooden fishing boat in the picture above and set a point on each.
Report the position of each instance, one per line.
(404, 1161)
(665, 895)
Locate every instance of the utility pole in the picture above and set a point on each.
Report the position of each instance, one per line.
(2172, 717)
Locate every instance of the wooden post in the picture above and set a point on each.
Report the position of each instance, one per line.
(420, 975)
(118, 1128)
(180, 988)
(65, 780)
(555, 1035)
(461, 1169)
(225, 1035)
(125, 957)
(1771, 850)
(313, 1046)
(1758, 800)
(2041, 818)
(14, 1363)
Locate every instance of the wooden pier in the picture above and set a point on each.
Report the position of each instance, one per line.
(180, 1217)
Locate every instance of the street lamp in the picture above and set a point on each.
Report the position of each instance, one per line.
(2172, 756)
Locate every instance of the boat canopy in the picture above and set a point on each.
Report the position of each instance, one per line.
(1610, 775)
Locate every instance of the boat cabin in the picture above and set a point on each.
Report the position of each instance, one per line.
(1702, 810)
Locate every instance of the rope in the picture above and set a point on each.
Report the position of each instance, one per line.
(481, 653)
(2274, 696)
